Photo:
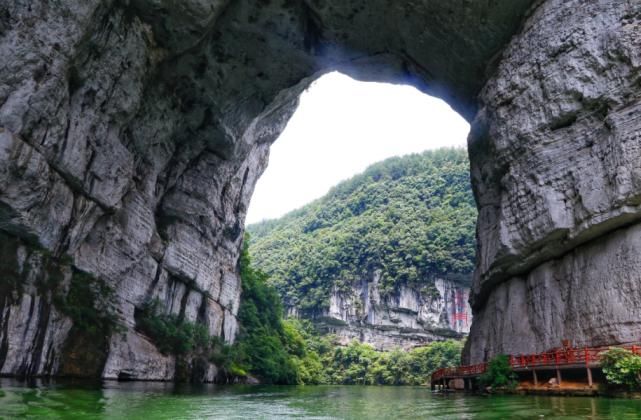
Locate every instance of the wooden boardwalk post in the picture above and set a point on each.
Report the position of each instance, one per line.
(587, 365)
(558, 371)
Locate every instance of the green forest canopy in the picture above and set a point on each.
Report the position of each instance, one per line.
(290, 351)
(412, 218)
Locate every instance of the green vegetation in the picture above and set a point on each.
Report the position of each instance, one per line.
(361, 364)
(87, 300)
(267, 346)
(622, 367)
(291, 352)
(499, 373)
(11, 281)
(47, 275)
(264, 346)
(411, 218)
(171, 333)
(313, 359)
(90, 303)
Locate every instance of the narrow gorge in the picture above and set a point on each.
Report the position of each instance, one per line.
(132, 133)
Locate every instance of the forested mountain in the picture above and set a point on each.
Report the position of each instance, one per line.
(410, 219)
(289, 351)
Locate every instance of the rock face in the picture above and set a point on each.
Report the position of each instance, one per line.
(132, 133)
(407, 318)
(587, 296)
(103, 165)
(556, 165)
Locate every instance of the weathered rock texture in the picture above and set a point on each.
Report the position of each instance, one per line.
(407, 318)
(106, 157)
(132, 133)
(556, 166)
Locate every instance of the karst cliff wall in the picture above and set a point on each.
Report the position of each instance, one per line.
(556, 167)
(132, 134)
(406, 318)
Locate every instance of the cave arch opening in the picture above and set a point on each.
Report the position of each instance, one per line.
(395, 144)
(340, 127)
(151, 187)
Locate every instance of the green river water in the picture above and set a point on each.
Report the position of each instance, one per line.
(165, 401)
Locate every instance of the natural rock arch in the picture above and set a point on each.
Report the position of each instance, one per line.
(132, 133)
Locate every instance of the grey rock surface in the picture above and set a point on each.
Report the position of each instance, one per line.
(556, 166)
(132, 134)
(405, 319)
(589, 296)
(33, 330)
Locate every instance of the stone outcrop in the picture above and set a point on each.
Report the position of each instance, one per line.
(556, 166)
(587, 296)
(102, 164)
(406, 318)
(132, 133)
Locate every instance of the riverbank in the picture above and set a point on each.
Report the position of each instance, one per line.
(566, 389)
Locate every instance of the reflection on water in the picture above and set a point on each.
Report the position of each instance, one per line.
(139, 400)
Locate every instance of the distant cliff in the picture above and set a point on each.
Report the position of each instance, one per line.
(385, 257)
(405, 318)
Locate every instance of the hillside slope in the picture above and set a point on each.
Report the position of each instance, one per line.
(385, 257)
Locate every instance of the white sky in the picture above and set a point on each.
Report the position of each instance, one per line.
(340, 128)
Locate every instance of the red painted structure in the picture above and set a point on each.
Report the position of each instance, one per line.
(567, 357)
(458, 316)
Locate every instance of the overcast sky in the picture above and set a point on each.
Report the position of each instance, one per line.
(341, 127)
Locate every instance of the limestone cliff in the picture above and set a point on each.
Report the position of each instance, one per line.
(132, 133)
(102, 167)
(406, 318)
(556, 166)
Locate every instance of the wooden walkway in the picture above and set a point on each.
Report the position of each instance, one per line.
(557, 360)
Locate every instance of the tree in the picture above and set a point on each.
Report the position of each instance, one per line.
(499, 373)
(622, 367)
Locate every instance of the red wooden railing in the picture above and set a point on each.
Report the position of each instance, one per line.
(553, 358)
